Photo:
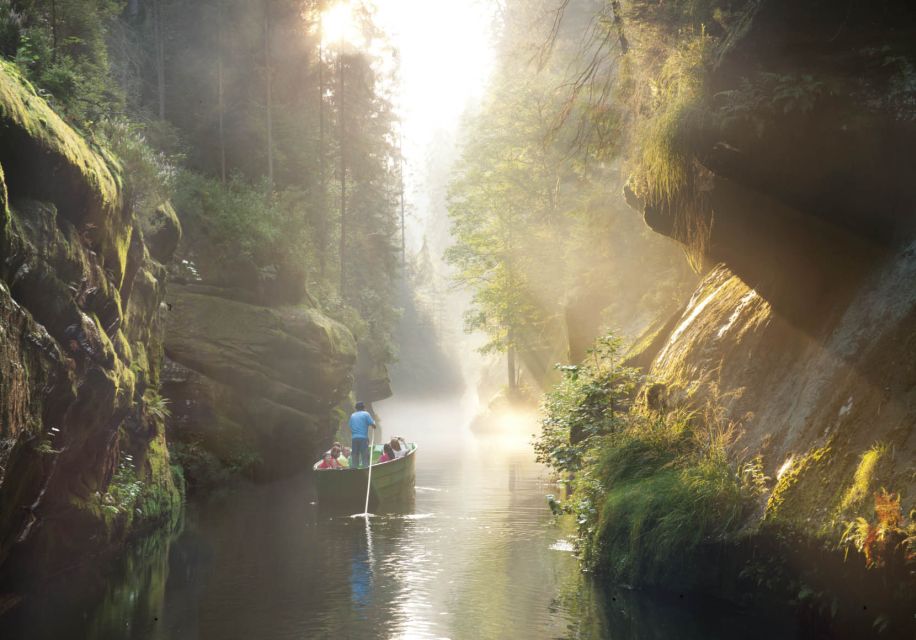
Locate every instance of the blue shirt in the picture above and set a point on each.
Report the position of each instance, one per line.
(359, 425)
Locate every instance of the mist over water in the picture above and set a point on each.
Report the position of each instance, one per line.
(478, 556)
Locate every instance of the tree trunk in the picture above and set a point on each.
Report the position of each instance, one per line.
(511, 371)
(53, 30)
(343, 176)
(221, 107)
(403, 225)
(322, 170)
(160, 56)
(269, 92)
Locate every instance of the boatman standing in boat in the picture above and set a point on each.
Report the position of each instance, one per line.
(360, 423)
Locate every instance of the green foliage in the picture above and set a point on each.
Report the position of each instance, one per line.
(500, 191)
(156, 405)
(537, 223)
(11, 25)
(149, 175)
(650, 488)
(650, 496)
(591, 400)
(863, 477)
(760, 100)
(107, 66)
(62, 46)
(20, 104)
(241, 226)
(124, 489)
(663, 168)
(887, 538)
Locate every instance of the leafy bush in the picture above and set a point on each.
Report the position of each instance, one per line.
(69, 65)
(241, 230)
(650, 496)
(889, 534)
(149, 174)
(759, 100)
(11, 25)
(651, 487)
(590, 400)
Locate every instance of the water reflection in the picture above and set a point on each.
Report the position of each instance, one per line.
(101, 600)
(361, 574)
(477, 555)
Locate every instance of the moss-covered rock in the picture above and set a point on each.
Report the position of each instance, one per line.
(253, 386)
(162, 232)
(46, 158)
(83, 461)
(774, 151)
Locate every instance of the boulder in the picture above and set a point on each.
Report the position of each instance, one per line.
(252, 385)
(162, 232)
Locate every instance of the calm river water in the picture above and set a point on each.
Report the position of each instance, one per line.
(479, 556)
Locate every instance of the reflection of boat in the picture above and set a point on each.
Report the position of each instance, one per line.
(392, 482)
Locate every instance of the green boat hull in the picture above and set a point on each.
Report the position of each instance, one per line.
(392, 486)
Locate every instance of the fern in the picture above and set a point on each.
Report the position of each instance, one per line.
(890, 531)
(157, 406)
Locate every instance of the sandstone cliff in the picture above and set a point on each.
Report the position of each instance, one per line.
(252, 387)
(800, 201)
(83, 460)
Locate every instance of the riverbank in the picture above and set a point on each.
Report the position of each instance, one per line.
(479, 556)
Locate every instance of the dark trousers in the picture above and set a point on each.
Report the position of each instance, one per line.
(359, 452)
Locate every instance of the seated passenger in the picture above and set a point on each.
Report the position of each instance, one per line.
(387, 454)
(329, 462)
(344, 458)
(399, 447)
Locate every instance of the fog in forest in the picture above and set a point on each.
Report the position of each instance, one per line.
(457, 319)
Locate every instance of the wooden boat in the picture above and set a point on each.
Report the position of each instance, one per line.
(392, 483)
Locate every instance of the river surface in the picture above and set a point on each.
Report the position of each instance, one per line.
(477, 556)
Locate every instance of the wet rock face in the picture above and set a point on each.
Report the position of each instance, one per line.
(791, 393)
(801, 161)
(82, 458)
(802, 329)
(252, 387)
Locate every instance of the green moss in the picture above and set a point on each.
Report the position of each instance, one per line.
(140, 364)
(160, 497)
(664, 160)
(122, 347)
(338, 336)
(20, 104)
(122, 236)
(787, 502)
(861, 485)
(123, 379)
(652, 494)
(87, 186)
(4, 203)
(107, 345)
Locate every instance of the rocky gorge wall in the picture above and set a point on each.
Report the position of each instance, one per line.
(116, 395)
(83, 458)
(252, 387)
(802, 330)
